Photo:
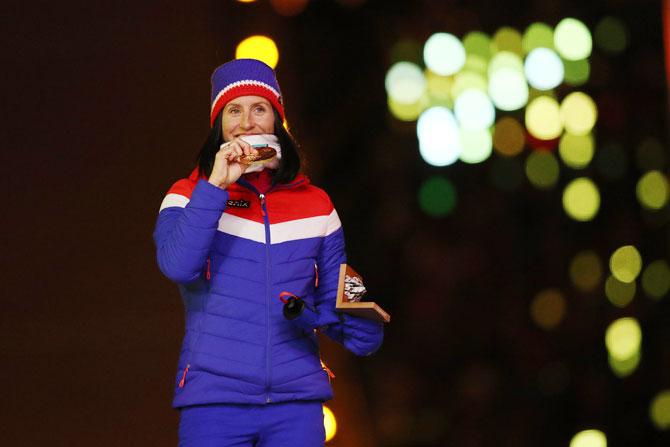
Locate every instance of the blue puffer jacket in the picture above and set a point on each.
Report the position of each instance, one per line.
(232, 253)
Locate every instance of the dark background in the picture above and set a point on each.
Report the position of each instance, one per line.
(105, 105)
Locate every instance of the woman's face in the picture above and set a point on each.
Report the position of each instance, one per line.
(247, 115)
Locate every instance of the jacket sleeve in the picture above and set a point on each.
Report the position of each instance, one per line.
(185, 229)
(358, 335)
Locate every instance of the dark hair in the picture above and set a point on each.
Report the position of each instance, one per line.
(289, 164)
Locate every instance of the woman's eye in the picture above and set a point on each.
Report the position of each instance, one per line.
(260, 109)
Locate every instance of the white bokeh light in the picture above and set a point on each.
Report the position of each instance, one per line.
(544, 69)
(476, 145)
(474, 110)
(444, 54)
(508, 89)
(439, 136)
(405, 82)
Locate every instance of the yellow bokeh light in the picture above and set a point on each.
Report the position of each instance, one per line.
(258, 47)
(589, 438)
(626, 263)
(406, 112)
(329, 423)
(543, 118)
(659, 410)
(623, 338)
(619, 293)
(476, 64)
(509, 137)
(476, 145)
(246, 1)
(576, 151)
(439, 87)
(507, 39)
(548, 309)
(581, 199)
(586, 270)
(542, 169)
(652, 190)
(466, 80)
(578, 113)
(573, 39)
(656, 279)
(624, 368)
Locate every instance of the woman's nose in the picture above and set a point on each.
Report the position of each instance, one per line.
(247, 120)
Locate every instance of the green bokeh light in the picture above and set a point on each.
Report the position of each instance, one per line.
(478, 43)
(576, 72)
(537, 35)
(437, 197)
(652, 190)
(611, 35)
(576, 151)
(589, 438)
(656, 279)
(507, 39)
(619, 293)
(623, 338)
(542, 169)
(659, 410)
(626, 263)
(626, 367)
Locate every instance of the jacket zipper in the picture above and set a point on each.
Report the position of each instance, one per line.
(267, 296)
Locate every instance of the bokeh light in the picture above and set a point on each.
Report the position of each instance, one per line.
(476, 145)
(623, 338)
(572, 39)
(611, 160)
(542, 169)
(478, 43)
(506, 174)
(406, 112)
(405, 83)
(544, 69)
(656, 279)
(537, 35)
(258, 47)
(439, 136)
(329, 423)
(474, 110)
(576, 151)
(581, 199)
(467, 80)
(579, 113)
(509, 137)
(611, 35)
(586, 270)
(543, 118)
(626, 263)
(508, 89)
(289, 8)
(505, 59)
(650, 155)
(476, 64)
(577, 72)
(439, 88)
(652, 190)
(619, 293)
(444, 54)
(548, 309)
(589, 438)
(437, 196)
(626, 367)
(507, 39)
(659, 410)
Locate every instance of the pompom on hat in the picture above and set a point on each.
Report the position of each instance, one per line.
(241, 77)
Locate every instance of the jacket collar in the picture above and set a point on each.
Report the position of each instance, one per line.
(299, 180)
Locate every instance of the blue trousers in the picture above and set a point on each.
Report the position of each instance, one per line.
(284, 424)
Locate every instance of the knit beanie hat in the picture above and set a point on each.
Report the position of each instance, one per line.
(241, 77)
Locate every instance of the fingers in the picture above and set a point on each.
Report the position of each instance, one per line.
(235, 149)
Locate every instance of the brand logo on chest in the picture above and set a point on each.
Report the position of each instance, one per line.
(239, 203)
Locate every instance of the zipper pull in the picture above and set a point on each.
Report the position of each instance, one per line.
(325, 368)
(262, 197)
(183, 377)
(208, 275)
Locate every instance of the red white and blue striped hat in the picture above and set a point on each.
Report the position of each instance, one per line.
(241, 77)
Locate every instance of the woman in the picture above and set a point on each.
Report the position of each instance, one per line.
(234, 236)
